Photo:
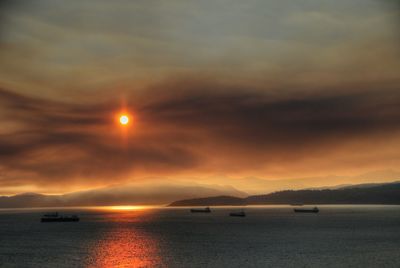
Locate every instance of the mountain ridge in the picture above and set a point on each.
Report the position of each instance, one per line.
(133, 194)
(382, 193)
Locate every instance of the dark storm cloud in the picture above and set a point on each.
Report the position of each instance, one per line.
(60, 140)
(240, 88)
(260, 119)
(177, 131)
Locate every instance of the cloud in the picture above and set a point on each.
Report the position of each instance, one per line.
(245, 89)
(54, 48)
(264, 119)
(189, 127)
(63, 141)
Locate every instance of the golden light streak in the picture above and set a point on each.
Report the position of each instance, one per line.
(125, 208)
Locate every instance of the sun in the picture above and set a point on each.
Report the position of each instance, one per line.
(124, 119)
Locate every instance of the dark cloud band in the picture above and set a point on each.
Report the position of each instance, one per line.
(179, 130)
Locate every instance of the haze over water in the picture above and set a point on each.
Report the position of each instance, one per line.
(151, 102)
(270, 236)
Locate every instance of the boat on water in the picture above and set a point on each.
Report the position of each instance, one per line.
(307, 210)
(200, 210)
(55, 217)
(237, 214)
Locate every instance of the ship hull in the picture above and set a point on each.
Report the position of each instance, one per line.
(200, 210)
(237, 214)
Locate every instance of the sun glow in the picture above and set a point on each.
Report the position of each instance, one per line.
(126, 207)
(124, 119)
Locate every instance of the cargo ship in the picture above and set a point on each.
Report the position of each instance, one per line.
(200, 210)
(55, 217)
(237, 214)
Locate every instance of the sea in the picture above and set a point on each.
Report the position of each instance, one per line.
(269, 236)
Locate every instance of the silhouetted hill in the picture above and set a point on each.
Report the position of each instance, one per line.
(210, 201)
(373, 194)
(151, 194)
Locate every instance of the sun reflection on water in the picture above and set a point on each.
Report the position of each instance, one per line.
(125, 244)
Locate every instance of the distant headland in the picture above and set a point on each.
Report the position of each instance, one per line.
(387, 193)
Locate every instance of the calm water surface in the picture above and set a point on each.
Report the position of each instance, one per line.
(339, 236)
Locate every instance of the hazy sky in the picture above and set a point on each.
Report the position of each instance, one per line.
(270, 89)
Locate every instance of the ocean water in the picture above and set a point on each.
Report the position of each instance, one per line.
(339, 236)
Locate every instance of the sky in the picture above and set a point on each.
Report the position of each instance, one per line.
(217, 92)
